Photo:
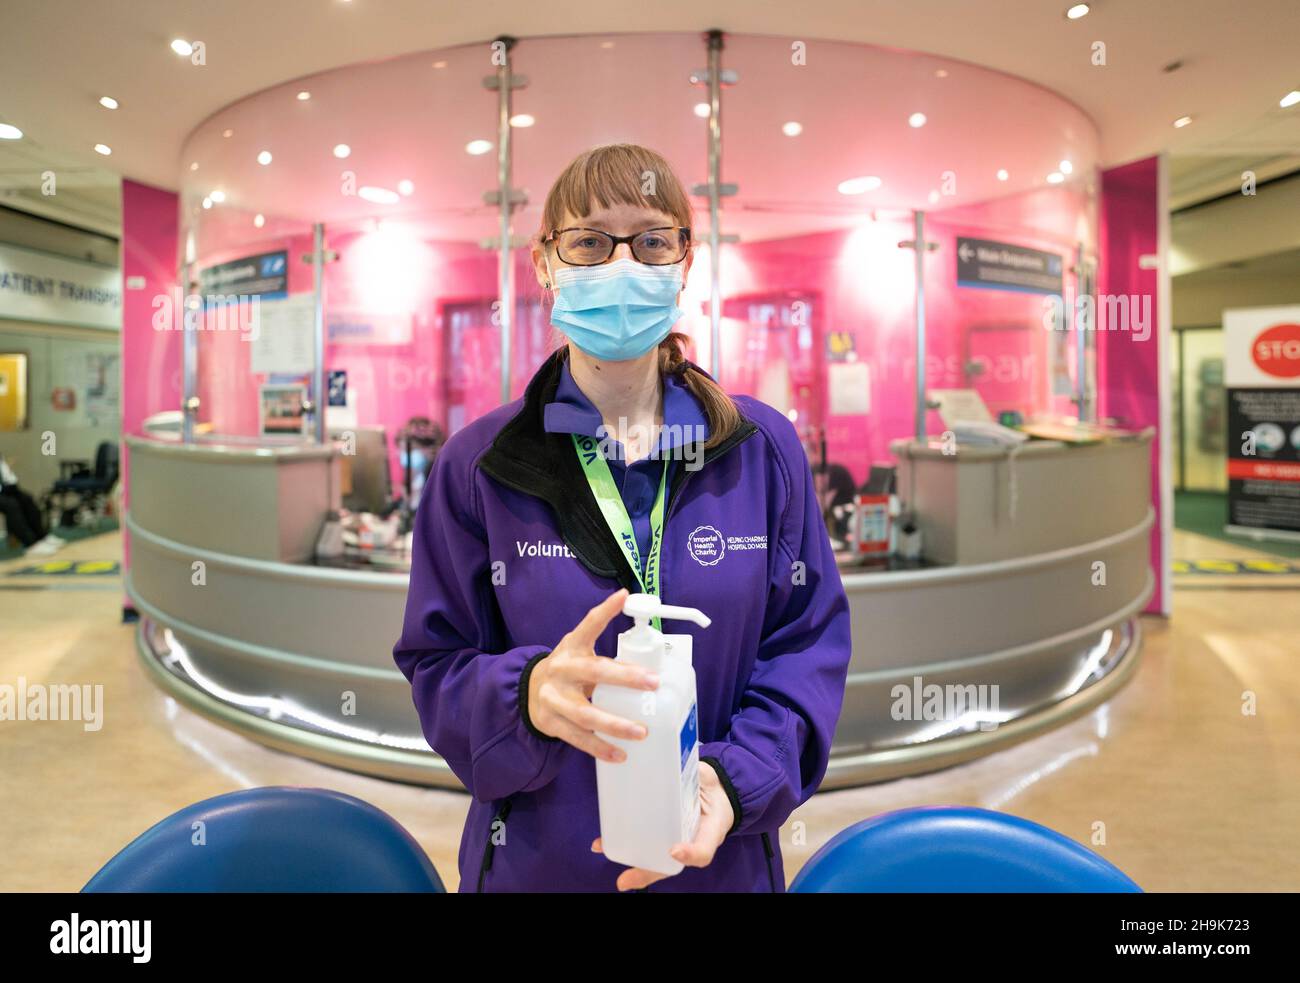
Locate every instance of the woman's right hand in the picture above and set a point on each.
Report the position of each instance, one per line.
(560, 687)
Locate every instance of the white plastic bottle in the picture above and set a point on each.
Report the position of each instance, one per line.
(650, 801)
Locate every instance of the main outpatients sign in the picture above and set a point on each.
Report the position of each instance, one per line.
(1276, 350)
(1262, 377)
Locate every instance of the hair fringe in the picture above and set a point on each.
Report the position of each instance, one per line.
(619, 173)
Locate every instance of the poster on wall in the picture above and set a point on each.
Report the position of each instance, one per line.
(284, 338)
(280, 409)
(1262, 383)
(90, 385)
(102, 387)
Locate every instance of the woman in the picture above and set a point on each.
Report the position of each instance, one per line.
(518, 578)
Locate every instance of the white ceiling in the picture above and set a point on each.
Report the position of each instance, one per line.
(58, 56)
(410, 117)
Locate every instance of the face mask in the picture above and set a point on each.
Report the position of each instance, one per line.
(619, 310)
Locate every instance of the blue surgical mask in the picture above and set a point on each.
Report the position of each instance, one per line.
(618, 310)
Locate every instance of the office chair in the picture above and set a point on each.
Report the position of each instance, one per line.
(956, 850)
(277, 838)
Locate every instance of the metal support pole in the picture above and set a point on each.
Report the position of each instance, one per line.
(189, 359)
(317, 397)
(1085, 336)
(715, 193)
(505, 269)
(919, 218)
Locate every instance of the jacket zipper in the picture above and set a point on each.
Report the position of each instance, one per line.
(767, 849)
(490, 848)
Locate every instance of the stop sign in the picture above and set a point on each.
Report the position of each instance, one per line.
(1276, 350)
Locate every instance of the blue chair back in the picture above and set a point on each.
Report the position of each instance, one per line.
(272, 839)
(953, 850)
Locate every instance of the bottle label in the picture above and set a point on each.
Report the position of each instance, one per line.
(690, 745)
(690, 734)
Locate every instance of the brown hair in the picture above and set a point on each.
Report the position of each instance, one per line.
(620, 173)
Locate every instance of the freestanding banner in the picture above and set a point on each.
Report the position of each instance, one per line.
(1262, 378)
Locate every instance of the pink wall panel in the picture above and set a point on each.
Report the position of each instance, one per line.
(1128, 366)
(151, 359)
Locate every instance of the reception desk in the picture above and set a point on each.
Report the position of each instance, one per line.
(1027, 619)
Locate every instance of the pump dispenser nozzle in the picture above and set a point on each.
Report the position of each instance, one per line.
(643, 607)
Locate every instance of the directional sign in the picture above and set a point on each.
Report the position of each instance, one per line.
(1004, 266)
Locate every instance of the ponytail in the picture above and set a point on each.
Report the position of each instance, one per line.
(719, 408)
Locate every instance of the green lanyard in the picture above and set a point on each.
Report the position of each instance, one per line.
(611, 505)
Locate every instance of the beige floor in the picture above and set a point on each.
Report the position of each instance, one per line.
(1191, 793)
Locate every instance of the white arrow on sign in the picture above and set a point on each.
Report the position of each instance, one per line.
(965, 252)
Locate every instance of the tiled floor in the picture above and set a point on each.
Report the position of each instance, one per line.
(1191, 793)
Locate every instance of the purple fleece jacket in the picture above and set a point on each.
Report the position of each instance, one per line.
(511, 551)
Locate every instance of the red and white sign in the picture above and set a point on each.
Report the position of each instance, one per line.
(1276, 351)
(1261, 347)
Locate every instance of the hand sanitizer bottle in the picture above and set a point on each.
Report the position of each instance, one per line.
(650, 801)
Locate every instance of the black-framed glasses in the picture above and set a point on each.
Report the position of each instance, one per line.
(591, 247)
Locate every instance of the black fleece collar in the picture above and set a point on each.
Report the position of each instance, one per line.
(526, 458)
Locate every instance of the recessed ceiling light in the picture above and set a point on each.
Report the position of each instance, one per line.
(104, 149)
(792, 129)
(941, 73)
(916, 120)
(1182, 121)
(1290, 99)
(1066, 167)
(439, 64)
(1002, 174)
(478, 147)
(182, 47)
(194, 165)
(859, 185)
(227, 133)
(259, 220)
(702, 110)
(522, 119)
(108, 102)
(207, 202)
(405, 187)
(1056, 177)
(380, 196)
(342, 150)
(217, 196)
(9, 132)
(1077, 11)
(264, 157)
(607, 44)
(304, 95)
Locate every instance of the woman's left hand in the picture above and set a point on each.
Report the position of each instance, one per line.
(716, 818)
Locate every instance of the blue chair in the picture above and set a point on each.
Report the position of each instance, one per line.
(954, 850)
(272, 839)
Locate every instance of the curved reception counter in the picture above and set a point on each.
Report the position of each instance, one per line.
(1027, 618)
